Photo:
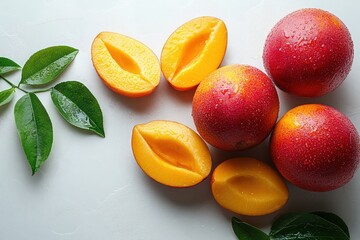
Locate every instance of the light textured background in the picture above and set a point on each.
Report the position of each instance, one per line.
(92, 188)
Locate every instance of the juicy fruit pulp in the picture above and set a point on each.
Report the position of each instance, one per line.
(171, 153)
(315, 147)
(308, 53)
(235, 107)
(193, 51)
(125, 65)
(248, 186)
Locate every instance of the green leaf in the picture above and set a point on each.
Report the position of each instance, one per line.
(78, 106)
(308, 226)
(6, 96)
(335, 219)
(35, 130)
(245, 231)
(8, 65)
(284, 221)
(46, 65)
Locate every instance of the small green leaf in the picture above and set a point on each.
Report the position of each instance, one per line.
(78, 106)
(305, 226)
(8, 65)
(335, 219)
(6, 96)
(46, 65)
(245, 231)
(35, 130)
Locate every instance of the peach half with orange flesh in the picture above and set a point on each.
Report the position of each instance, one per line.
(248, 186)
(193, 51)
(171, 153)
(125, 65)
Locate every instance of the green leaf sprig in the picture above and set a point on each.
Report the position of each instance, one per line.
(245, 231)
(73, 100)
(293, 226)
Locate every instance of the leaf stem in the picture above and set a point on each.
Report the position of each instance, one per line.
(13, 85)
(24, 91)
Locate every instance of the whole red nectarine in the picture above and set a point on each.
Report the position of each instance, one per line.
(235, 107)
(315, 147)
(308, 53)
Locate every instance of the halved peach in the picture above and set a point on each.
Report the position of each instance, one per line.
(171, 153)
(248, 186)
(193, 51)
(125, 65)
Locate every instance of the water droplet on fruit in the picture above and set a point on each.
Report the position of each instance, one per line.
(224, 91)
(235, 88)
(286, 34)
(314, 66)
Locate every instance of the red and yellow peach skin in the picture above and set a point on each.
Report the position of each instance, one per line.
(315, 147)
(308, 53)
(235, 107)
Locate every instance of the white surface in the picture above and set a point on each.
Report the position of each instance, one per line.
(92, 188)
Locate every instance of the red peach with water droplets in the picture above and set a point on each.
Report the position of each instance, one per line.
(308, 53)
(315, 147)
(235, 107)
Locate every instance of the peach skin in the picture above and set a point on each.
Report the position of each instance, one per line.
(171, 153)
(309, 53)
(315, 147)
(125, 65)
(235, 107)
(248, 186)
(193, 51)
